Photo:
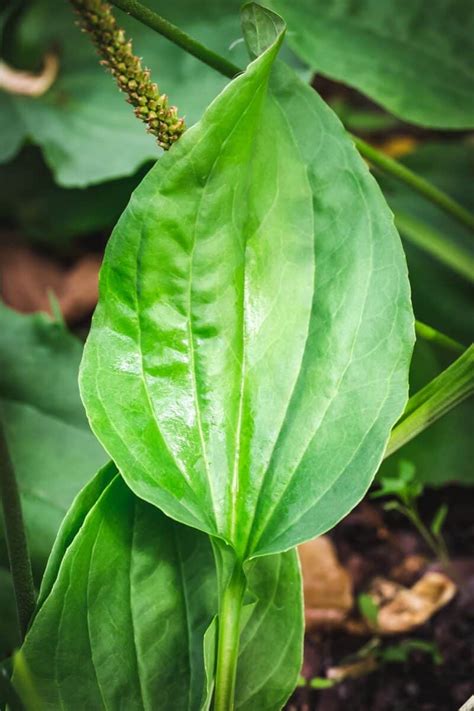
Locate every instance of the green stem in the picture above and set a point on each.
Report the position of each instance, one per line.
(151, 19)
(436, 544)
(228, 640)
(419, 184)
(436, 244)
(181, 39)
(20, 563)
(428, 333)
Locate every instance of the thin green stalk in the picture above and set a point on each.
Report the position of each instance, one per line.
(228, 640)
(416, 182)
(436, 244)
(177, 36)
(18, 554)
(173, 33)
(441, 395)
(438, 548)
(428, 333)
(443, 552)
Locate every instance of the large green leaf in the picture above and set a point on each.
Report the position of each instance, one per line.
(51, 446)
(414, 57)
(250, 351)
(127, 597)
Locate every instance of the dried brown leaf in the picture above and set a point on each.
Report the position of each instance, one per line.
(412, 607)
(327, 585)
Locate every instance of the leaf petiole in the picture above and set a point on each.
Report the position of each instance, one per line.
(432, 335)
(228, 639)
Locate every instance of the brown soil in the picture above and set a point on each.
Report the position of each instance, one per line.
(370, 543)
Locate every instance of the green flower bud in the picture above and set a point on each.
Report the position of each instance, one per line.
(96, 18)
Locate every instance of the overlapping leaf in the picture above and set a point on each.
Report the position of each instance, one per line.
(51, 445)
(250, 351)
(127, 597)
(413, 58)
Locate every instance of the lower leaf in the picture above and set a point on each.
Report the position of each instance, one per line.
(126, 601)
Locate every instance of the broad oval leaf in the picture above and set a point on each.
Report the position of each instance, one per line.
(250, 350)
(383, 48)
(51, 446)
(125, 604)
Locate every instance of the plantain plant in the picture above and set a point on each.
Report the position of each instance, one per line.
(247, 361)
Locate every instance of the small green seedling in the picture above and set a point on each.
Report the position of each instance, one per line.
(400, 653)
(368, 609)
(404, 491)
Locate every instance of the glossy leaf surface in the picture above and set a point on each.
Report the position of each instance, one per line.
(51, 446)
(385, 48)
(122, 618)
(250, 350)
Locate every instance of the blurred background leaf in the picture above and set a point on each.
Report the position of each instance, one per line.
(51, 446)
(48, 214)
(442, 298)
(412, 58)
(9, 635)
(85, 128)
